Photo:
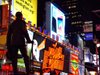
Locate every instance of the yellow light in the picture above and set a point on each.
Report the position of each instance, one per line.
(92, 72)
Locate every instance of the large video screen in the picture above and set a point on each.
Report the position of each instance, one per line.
(57, 20)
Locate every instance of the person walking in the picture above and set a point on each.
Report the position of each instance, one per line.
(17, 32)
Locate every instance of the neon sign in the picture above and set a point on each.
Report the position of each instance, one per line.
(53, 58)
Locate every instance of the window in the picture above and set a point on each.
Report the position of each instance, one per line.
(78, 15)
(74, 6)
(69, 7)
(67, 17)
(74, 16)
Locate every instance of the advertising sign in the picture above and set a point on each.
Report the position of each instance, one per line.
(89, 36)
(50, 53)
(55, 21)
(3, 19)
(96, 59)
(38, 47)
(28, 9)
(59, 72)
(53, 56)
(88, 26)
(97, 27)
(3, 26)
(74, 64)
(46, 71)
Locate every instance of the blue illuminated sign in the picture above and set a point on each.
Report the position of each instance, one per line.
(89, 36)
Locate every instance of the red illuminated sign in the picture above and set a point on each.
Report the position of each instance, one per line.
(74, 64)
(7, 67)
(3, 18)
(97, 27)
(46, 70)
(57, 72)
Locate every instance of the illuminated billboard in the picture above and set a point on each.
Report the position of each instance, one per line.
(28, 9)
(53, 56)
(38, 47)
(97, 26)
(74, 64)
(50, 53)
(96, 59)
(55, 20)
(3, 26)
(89, 36)
(3, 19)
(88, 26)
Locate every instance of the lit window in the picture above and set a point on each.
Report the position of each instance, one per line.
(79, 15)
(74, 6)
(69, 7)
(74, 16)
(67, 17)
(74, 22)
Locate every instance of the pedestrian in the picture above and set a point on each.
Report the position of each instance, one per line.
(17, 32)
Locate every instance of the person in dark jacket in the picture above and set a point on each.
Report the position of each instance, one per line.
(16, 35)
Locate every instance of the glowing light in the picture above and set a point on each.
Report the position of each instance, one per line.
(92, 72)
